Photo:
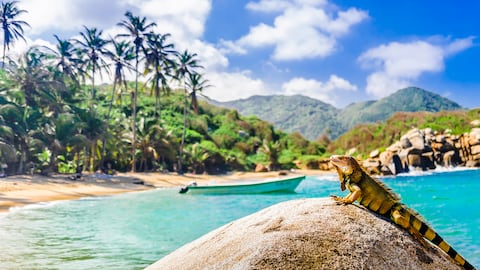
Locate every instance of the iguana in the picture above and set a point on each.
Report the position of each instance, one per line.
(377, 197)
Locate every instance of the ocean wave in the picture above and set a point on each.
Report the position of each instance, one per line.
(437, 170)
(38, 205)
(324, 177)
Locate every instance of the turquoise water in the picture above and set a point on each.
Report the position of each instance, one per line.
(131, 231)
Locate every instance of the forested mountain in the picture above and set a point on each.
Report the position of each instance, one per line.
(313, 118)
(297, 113)
(411, 99)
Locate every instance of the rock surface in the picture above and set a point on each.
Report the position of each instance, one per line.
(307, 234)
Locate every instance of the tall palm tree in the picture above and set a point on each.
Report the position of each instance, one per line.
(137, 29)
(186, 65)
(12, 28)
(65, 60)
(121, 55)
(158, 60)
(196, 83)
(94, 47)
(93, 127)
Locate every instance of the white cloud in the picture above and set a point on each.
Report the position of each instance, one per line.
(304, 29)
(398, 65)
(269, 6)
(54, 16)
(230, 47)
(185, 18)
(234, 85)
(325, 91)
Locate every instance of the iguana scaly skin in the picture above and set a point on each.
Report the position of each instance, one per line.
(377, 197)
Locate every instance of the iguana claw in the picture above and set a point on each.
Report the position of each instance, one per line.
(338, 200)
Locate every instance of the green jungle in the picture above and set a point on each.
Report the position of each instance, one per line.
(55, 117)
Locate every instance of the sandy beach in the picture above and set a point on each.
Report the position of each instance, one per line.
(21, 190)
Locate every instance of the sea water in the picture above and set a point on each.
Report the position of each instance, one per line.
(131, 231)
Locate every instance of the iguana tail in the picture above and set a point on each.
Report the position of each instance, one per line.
(428, 233)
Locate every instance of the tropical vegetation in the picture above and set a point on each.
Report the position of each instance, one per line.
(367, 137)
(55, 116)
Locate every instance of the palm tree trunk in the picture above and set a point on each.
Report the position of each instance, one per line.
(194, 102)
(92, 157)
(4, 52)
(184, 131)
(134, 104)
(92, 94)
(108, 119)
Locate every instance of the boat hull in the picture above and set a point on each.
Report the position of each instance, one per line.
(285, 185)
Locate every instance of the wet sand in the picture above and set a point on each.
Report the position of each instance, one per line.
(24, 189)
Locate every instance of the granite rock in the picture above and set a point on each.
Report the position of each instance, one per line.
(307, 234)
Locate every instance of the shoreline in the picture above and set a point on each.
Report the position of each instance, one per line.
(22, 190)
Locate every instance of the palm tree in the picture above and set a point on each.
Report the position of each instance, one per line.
(187, 64)
(137, 29)
(13, 134)
(93, 46)
(158, 59)
(272, 150)
(65, 60)
(12, 28)
(121, 55)
(196, 83)
(35, 81)
(198, 155)
(93, 127)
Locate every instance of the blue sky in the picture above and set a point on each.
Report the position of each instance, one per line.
(338, 51)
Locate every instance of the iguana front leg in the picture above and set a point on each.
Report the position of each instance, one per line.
(355, 193)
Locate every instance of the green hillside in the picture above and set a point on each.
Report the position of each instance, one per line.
(305, 115)
(368, 137)
(411, 99)
(313, 118)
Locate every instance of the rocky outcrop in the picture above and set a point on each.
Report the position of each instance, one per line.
(424, 150)
(307, 234)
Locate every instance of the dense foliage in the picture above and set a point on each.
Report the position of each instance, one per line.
(368, 137)
(56, 135)
(55, 117)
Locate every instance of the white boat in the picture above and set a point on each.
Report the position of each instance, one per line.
(284, 184)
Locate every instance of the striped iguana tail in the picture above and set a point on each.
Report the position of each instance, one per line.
(419, 229)
(377, 197)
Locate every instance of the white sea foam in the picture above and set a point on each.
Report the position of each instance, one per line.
(324, 177)
(35, 206)
(438, 169)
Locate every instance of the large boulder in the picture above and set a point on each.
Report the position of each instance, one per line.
(307, 234)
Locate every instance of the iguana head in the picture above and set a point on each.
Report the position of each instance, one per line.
(345, 166)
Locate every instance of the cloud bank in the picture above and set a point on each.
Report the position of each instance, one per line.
(302, 29)
(326, 91)
(397, 65)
